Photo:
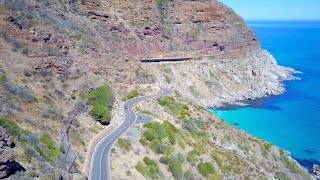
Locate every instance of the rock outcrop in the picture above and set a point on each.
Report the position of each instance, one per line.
(215, 83)
(7, 156)
(169, 28)
(316, 171)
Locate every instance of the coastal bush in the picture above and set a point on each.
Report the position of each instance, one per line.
(217, 176)
(170, 102)
(193, 156)
(140, 167)
(43, 145)
(165, 147)
(176, 169)
(174, 161)
(177, 93)
(267, 147)
(130, 95)
(50, 152)
(181, 142)
(205, 169)
(293, 167)
(102, 100)
(154, 145)
(216, 158)
(124, 144)
(189, 175)
(160, 131)
(143, 141)
(10, 126)
(148, 113)
(184, 114)
(149, 168)
(149, 161)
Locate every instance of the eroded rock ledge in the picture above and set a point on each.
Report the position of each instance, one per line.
(214, 83)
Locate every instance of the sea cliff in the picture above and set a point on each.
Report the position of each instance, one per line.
(55, 53)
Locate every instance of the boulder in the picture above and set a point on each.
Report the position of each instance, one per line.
(316, 171)
(8, 166)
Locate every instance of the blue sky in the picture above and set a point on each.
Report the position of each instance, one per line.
(276, 9)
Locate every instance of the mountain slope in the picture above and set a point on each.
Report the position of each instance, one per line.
(55, 54)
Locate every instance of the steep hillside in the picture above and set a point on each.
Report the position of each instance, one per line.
(65, 65)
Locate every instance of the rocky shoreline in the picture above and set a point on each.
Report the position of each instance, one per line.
(227, 82)
(316, 171)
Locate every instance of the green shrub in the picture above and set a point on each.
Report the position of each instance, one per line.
(140, 167)
(184, 114)
(154, 145)
(205, 169)
(10, 126)
(101, 100)
(193, 156)
(160, 131)
(150, 134)
(143, 141)
(149, 161)
(178, 94)
(174, 163)
(176, 169)
(216, 158)
(149, 168)
(171, 104)
(124, 144)
(45, 147)
(267, 147)
(189, 175)
(52, 152)
(293, 167)
(130, 95)
(161, 136)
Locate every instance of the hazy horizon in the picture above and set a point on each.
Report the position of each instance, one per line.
(275, 10)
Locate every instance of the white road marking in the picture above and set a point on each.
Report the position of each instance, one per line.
(123, 129)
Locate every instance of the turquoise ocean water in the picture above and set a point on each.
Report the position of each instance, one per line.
(291, 120)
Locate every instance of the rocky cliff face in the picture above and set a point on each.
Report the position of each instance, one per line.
(132, 29)
(216, 83)
(8, 166)
(169, 28)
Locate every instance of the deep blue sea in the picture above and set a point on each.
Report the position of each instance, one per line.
(291, 120)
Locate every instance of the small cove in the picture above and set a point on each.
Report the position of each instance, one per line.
(291, 120)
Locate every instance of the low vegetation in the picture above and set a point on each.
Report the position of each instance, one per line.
(192, 144)
(102, 100)
(33, 146)
(160, 132)
(174, 161)
(52, 152)
(148, 113)
(174, 106)
(205, 169)
(293, 166)
(149, 168)
(124, 144)
(130, 95)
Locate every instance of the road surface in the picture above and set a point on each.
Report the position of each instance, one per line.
(99, 168)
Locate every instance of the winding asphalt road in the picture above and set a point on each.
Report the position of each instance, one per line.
(99, 168)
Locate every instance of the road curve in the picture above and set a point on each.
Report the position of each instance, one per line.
(99, 168)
